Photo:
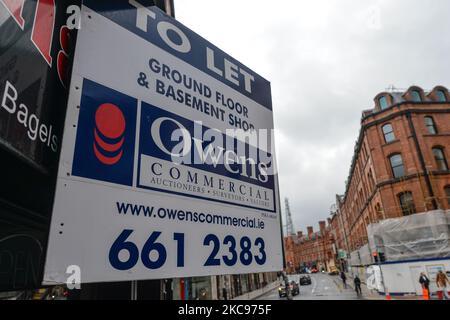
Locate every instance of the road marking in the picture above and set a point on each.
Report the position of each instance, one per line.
(314, 285)
(338, 286)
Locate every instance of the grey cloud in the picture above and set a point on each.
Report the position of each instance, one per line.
(326, 61)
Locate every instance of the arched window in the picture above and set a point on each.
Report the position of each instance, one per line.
(441, 96)
(407, 203)
(361, 199)
(383, 102)
(439, 156)
(447, 194)
(371, 180)
(397, 167)
(416, 97)
(431, 126)
(388, 133)
(379, 212)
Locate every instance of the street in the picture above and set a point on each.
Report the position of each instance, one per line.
(322, 287)
(138, 158)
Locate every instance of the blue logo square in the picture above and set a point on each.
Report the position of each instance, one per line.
(105, 141)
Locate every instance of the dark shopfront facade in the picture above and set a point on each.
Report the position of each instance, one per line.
(223, 287)
(32, 98)
(36, 48)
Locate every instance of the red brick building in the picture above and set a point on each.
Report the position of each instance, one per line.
(315, 249)
(291, 253)
(400, 164)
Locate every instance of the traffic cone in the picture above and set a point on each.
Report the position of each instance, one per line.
(388, 295)
(425, 294)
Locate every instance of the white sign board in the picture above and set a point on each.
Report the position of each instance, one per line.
(166, 169)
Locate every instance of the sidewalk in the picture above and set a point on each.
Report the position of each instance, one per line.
(366, 293)
(258, 293)
(374, 295)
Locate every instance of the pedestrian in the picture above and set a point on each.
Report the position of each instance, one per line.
(344, 279)
(442, 282)
(425, 282)
(357, 283)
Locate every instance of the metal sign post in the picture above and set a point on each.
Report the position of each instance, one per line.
(134, 285)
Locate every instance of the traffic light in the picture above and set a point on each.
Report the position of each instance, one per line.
(379, 255)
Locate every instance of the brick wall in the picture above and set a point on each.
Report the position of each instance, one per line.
(372, 192)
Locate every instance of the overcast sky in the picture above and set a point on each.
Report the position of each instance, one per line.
(326, 61)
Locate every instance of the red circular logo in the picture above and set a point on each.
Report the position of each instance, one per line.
(110, 124)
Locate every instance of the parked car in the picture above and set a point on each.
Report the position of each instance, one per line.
(314, 270)
(304, 270)
(282, 290)
(305, 280)
(333, 271)
(294, 288)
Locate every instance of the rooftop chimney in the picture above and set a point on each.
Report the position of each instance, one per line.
(322, 226)
(310, 231)
(299, 234)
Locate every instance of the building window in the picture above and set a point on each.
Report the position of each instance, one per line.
(416, 97)
(379, 212)
(441, 96)
(397, 165)
(407, 203)
(439, 156)
(388, 132)
(371, 180)
(383, 103)
(447, 194)
(361, 199)
(431, 126)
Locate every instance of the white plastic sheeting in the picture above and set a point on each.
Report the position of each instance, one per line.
(418, 236)
(361, 257)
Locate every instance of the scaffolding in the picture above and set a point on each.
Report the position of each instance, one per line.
(418, 236)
